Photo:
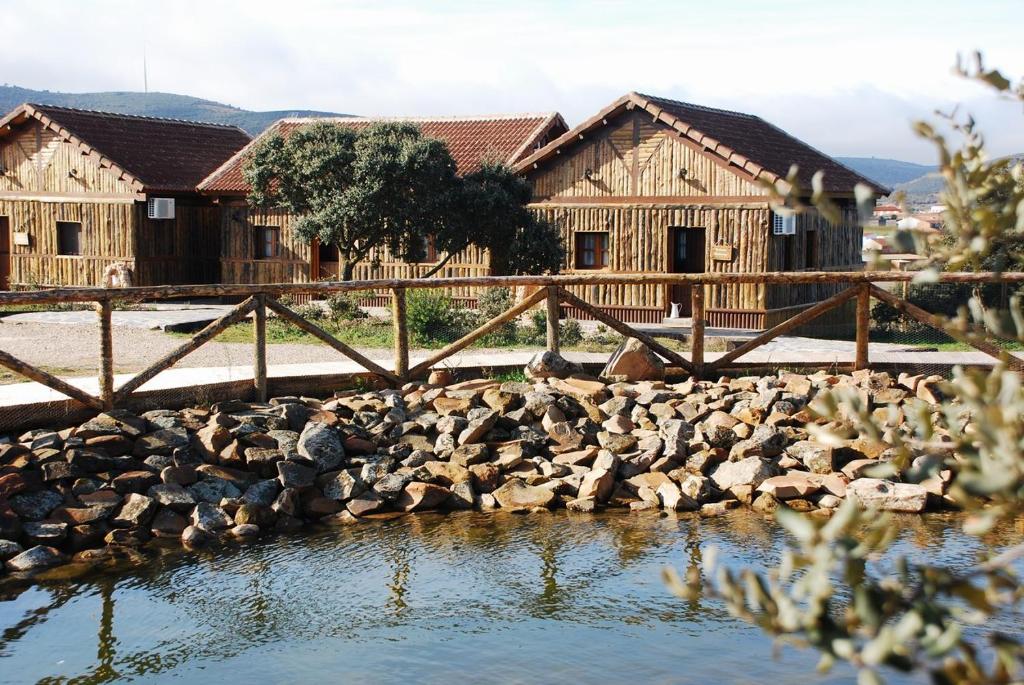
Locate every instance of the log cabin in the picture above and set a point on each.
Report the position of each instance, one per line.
(259, 246)
(652, 185)
(82, 192)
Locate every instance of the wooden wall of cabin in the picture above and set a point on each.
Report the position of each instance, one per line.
(182, 250)
(107, 236)
(817, 246)
(639, 243)
(36, 161)
(237, 248)
(636, 157)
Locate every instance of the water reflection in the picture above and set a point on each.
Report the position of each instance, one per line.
(425, 596)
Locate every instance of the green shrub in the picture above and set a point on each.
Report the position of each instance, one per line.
(432, 317)
(495, 302)
(570, 332)
(310, 311)
(344, 307)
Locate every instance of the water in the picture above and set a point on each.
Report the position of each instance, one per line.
(467, 597)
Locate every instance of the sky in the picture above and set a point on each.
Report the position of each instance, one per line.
(847, 77)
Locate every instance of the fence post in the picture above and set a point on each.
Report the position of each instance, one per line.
(552, 318)
(103, 310)
(697, 330)
(863, 325)
(259, 339)
(401, 333)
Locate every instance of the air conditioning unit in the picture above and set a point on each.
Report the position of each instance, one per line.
(783, 225)
(160, 207)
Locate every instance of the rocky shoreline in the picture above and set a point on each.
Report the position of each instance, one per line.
(93, 492)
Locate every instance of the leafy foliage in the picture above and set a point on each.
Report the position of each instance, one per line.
(830, 592)
(389, 187)
(433, 317)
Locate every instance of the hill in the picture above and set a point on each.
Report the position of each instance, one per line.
(888, 172)
(167, 105)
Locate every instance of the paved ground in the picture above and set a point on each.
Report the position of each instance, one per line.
(158, 317)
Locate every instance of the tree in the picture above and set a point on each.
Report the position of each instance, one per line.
(389, 187)
(832, 591)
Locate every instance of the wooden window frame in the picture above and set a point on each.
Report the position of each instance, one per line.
(260, 242)
(78, 239)
(600, 250)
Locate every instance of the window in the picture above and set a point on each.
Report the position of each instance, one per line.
(811, 250)
(786, 256)
(69, 238)
(267, 242)
(591, 250)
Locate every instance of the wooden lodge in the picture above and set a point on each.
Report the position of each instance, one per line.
(83, 192)
(653, 185)
(259, 246)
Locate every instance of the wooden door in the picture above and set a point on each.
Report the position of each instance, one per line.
(687, 257)
(5, 253)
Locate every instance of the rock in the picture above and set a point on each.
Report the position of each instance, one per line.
(255, 514)
(138, 510)
(888, 496)
(615, 443)
(9, 549)
(672, 498)
(321, 445)
(293, 475)
(211, 439)
(580, 389)
(173, 496)
(478, 428)
(790, 486)
(168, 524)
(262, 492)
(676, 435)
(135, 481)
(179, 475)
(163, 441)
(38, 533)
(364, 504)
(618, 423)
(11, 484)
(213, 490)
(467, 455)
(550, 365)
(597, 483)
(391, 486)
(194, 536)
(765, 441)
(765, 503)
(485, 477)
(857, 467)
(583, 505)
(751, 471)
(515, 495)
(816, 457)
(210, 518)
(35, 559)
(635, 362)
(35, 506)
(341, 485)
(420, 496)
(245, 530)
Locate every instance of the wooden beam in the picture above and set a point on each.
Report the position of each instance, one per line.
(71, 294)
(401, 329)
(616, 325)
(316, 331)
(481, 331)
(259, 353)
(49, 380)
(697, 321)
(106, 376)
(863, 326)
(937, 322)
(198, 340)
(787, 325)
(553, 315)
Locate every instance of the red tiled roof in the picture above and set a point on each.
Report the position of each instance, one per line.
(471, 140)
(167, 155)
(748, 143)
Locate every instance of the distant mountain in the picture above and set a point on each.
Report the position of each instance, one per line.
(166, 105)
(888, 172)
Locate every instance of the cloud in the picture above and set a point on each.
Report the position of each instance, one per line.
(846, 79)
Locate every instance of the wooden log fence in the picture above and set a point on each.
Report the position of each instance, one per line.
(550, 292)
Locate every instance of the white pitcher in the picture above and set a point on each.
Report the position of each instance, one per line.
(675, 311)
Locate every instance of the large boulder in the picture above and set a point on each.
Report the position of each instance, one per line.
(321, 444)
(750, 472)
(886, 495)
(636, 362)
(35, 559)
(515, 495)
(550, 365)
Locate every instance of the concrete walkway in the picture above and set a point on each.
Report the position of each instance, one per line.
(33, 393)
(166, 317)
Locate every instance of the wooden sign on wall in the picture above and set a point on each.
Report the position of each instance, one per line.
(721, 253)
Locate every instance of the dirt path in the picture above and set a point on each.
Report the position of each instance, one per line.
(70, 350)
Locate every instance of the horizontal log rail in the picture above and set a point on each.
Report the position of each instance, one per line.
(550, 293)
(169, 292)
